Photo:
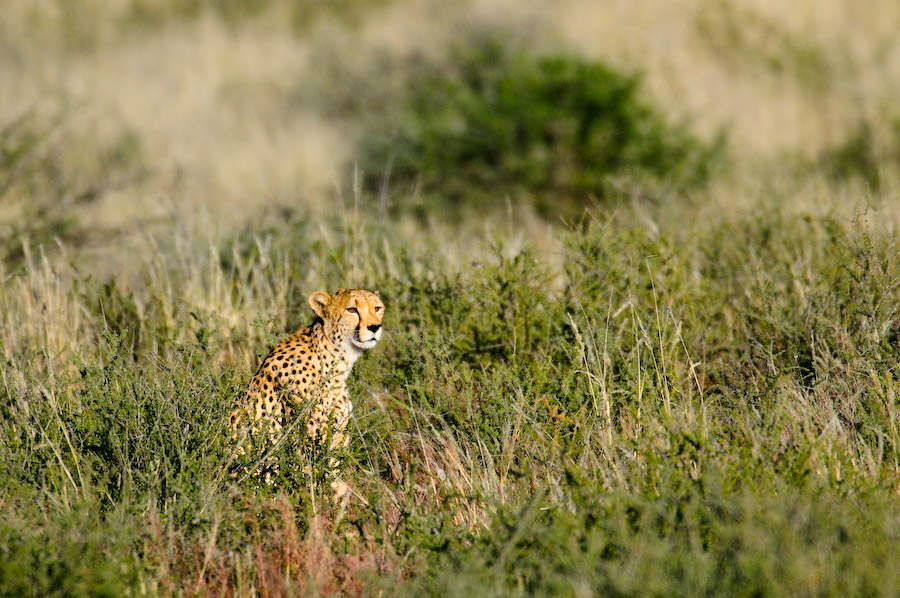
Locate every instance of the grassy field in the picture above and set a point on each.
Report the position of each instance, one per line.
(609, 380)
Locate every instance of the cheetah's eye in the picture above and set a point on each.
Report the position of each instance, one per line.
(353, 310)
(378, 308)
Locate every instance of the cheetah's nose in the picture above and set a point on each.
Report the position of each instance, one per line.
(373, 327)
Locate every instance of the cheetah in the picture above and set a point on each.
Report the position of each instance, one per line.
(312, 365)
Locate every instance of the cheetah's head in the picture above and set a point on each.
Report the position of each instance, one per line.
(352, 317)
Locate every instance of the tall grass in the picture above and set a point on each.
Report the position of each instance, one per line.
(655, 411)
(689, 393)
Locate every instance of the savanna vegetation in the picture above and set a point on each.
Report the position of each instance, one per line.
(637, 342)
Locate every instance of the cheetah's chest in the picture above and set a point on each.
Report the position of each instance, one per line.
(318, 378)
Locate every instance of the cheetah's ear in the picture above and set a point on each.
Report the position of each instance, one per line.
(318, 301)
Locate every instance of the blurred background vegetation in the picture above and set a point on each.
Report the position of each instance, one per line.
(641, 269)
(130, 115)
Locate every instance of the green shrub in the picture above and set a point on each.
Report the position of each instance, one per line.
(855, 157)
(65, 553)
(497, 122)
(696, 543)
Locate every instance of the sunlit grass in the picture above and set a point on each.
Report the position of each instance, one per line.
(670, 388)
(670, 393)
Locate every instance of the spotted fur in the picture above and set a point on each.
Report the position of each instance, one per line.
(310, 368)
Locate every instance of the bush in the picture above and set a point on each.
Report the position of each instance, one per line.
(65, 553)
(700, 543)
(854, 157)
(498, 122)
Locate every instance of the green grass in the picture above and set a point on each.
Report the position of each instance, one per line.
(683, 412)
(689, 391)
